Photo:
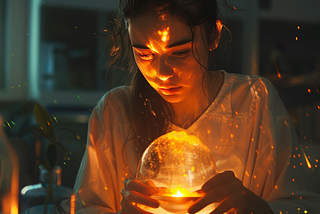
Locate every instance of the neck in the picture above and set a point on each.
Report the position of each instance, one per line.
(185, 113)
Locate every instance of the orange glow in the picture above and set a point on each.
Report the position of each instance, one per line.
(298, 27)
(164, 34)
(182, 192)
(73, 204)
(179, 194)
(234, 8)
(306, 158)
(309, 90)
(14, 210)
(318, 107)
(296, 38)
(9, 199)
(152, 47)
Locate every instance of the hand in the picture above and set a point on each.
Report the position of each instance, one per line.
(232, 196)
(135, 192)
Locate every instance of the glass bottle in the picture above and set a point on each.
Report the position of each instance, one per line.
(33, 197)
(9, 175)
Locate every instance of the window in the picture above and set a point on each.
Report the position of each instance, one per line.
(73, 49)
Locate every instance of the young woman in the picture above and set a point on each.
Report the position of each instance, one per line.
(241, 119)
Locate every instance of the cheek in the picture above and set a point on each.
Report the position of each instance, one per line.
(145, 67)
(190, 69)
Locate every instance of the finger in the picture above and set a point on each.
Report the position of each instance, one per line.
(150, 183)
(132, 196)
(137, 186)
(229, 203)
(218, 180)
(130, 207)
(217, 195)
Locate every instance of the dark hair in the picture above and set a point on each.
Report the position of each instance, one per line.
(150, 113)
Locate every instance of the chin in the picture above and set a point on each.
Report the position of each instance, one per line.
(172, 98)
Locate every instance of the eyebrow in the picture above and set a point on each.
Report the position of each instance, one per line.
(182, 42)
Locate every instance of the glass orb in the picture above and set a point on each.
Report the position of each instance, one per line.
(176, 165)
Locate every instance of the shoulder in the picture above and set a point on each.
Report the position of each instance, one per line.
(244, 80)
(248, 91)
(117, 99)
(250, 84)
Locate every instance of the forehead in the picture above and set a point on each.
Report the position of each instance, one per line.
(146, 28)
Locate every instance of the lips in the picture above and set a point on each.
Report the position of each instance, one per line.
(169, 90)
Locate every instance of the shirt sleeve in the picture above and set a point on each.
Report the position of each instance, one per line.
(276, 165)
(96, 183)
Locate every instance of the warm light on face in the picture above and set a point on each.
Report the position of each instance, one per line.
(152, 47)
(169, 56)
(164, 34)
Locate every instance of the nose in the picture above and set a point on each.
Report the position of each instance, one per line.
(164, 71)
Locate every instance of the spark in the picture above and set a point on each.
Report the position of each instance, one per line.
(298, 27)
(309, 90)
(306, 158)
(297, 38)
(275, 63)
(9, 125)
(79, 97)
(55, 118)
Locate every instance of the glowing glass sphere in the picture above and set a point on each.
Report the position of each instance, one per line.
(177, 165)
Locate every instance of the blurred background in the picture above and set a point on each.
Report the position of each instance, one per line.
(55, 52)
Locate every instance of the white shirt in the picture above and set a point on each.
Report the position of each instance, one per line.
(247, 129)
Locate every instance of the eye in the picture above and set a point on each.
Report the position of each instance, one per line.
(146, 56)
(181, 53)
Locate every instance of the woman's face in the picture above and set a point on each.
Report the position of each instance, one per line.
(163, 52)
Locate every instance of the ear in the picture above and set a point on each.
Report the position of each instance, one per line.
(217, 35)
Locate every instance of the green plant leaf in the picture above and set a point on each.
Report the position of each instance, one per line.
(44, 120)
(51, 156)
